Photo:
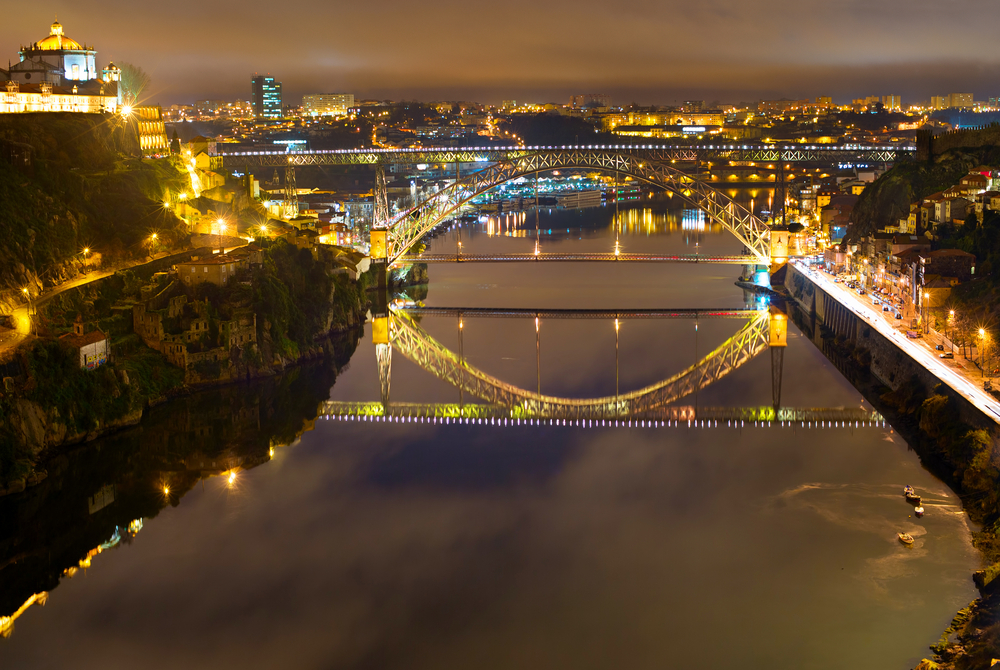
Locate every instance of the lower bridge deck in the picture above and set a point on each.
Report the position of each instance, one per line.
(666, 417)
(575, 257)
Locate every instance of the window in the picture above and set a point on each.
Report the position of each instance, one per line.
(206, 269)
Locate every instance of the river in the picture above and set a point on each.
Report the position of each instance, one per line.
(413, 545)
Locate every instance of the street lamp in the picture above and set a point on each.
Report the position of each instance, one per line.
(222, 231)
(951, 329)
(27, 295)
(982, 350)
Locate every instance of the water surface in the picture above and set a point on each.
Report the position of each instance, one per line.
(408, 545)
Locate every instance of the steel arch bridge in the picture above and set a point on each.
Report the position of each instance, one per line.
(408, 338)
(791, 153)
(406, 228)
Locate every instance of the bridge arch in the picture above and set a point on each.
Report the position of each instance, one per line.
(409, 339)
(406, 229)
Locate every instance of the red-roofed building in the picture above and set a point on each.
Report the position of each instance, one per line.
(92, 347)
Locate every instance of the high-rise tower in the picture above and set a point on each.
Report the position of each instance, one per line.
(265, 97)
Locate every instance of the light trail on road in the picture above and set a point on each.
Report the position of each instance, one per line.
(958, 382)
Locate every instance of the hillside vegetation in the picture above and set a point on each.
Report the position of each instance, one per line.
(83, 188)
(888, 199)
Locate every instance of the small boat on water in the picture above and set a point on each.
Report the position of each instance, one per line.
(908, 490)
(918, 510)
(911, 495)
(905, 538)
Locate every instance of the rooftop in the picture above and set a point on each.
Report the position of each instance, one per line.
(79, 341)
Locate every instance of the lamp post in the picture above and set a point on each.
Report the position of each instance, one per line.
(923, 311)
(983, 337)
(951, 330)
(222, 231)
(27, 295)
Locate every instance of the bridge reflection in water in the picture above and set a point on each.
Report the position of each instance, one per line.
(666, 417)
(652, 406)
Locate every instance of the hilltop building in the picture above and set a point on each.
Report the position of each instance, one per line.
(58, 74)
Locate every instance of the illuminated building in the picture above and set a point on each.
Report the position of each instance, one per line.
(589, 100)
(265, 97)
(892, 103)
(56, 59)
(152, 132)
(329, 104)
(58, 74)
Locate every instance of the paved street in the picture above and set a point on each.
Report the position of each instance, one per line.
(959, 374)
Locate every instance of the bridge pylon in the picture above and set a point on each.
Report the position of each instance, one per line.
(777, 340)
(291, 205)
(779, 249)
(383, 354)
(379, 235)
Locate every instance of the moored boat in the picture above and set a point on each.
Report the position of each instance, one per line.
(905, 538)
(913, 498)
(918, 510)
(908, 490)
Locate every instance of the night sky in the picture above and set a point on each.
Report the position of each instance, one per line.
(646, 51)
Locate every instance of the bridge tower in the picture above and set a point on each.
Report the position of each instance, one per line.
(379, 237)
(777, 340)
(779, 249)
(291, 194)
(383, 354)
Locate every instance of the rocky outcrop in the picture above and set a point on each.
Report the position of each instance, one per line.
(42, 428)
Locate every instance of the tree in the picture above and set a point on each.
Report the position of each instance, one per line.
(134, 81)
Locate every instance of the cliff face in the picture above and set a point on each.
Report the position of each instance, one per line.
(888, 199)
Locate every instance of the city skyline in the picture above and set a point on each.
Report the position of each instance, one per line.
(655, 54)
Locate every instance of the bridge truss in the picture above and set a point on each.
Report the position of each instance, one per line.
(794, 153)
(415, 344)
(409, 226)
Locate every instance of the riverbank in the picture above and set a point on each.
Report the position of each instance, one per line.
(954, 439)
(164, 339)
(97, 494)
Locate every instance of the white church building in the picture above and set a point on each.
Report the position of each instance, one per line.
(58, 74)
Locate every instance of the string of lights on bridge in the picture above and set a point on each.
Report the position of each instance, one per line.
(607, 423)
(601, 147)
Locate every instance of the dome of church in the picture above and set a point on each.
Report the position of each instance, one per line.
(57, 41)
